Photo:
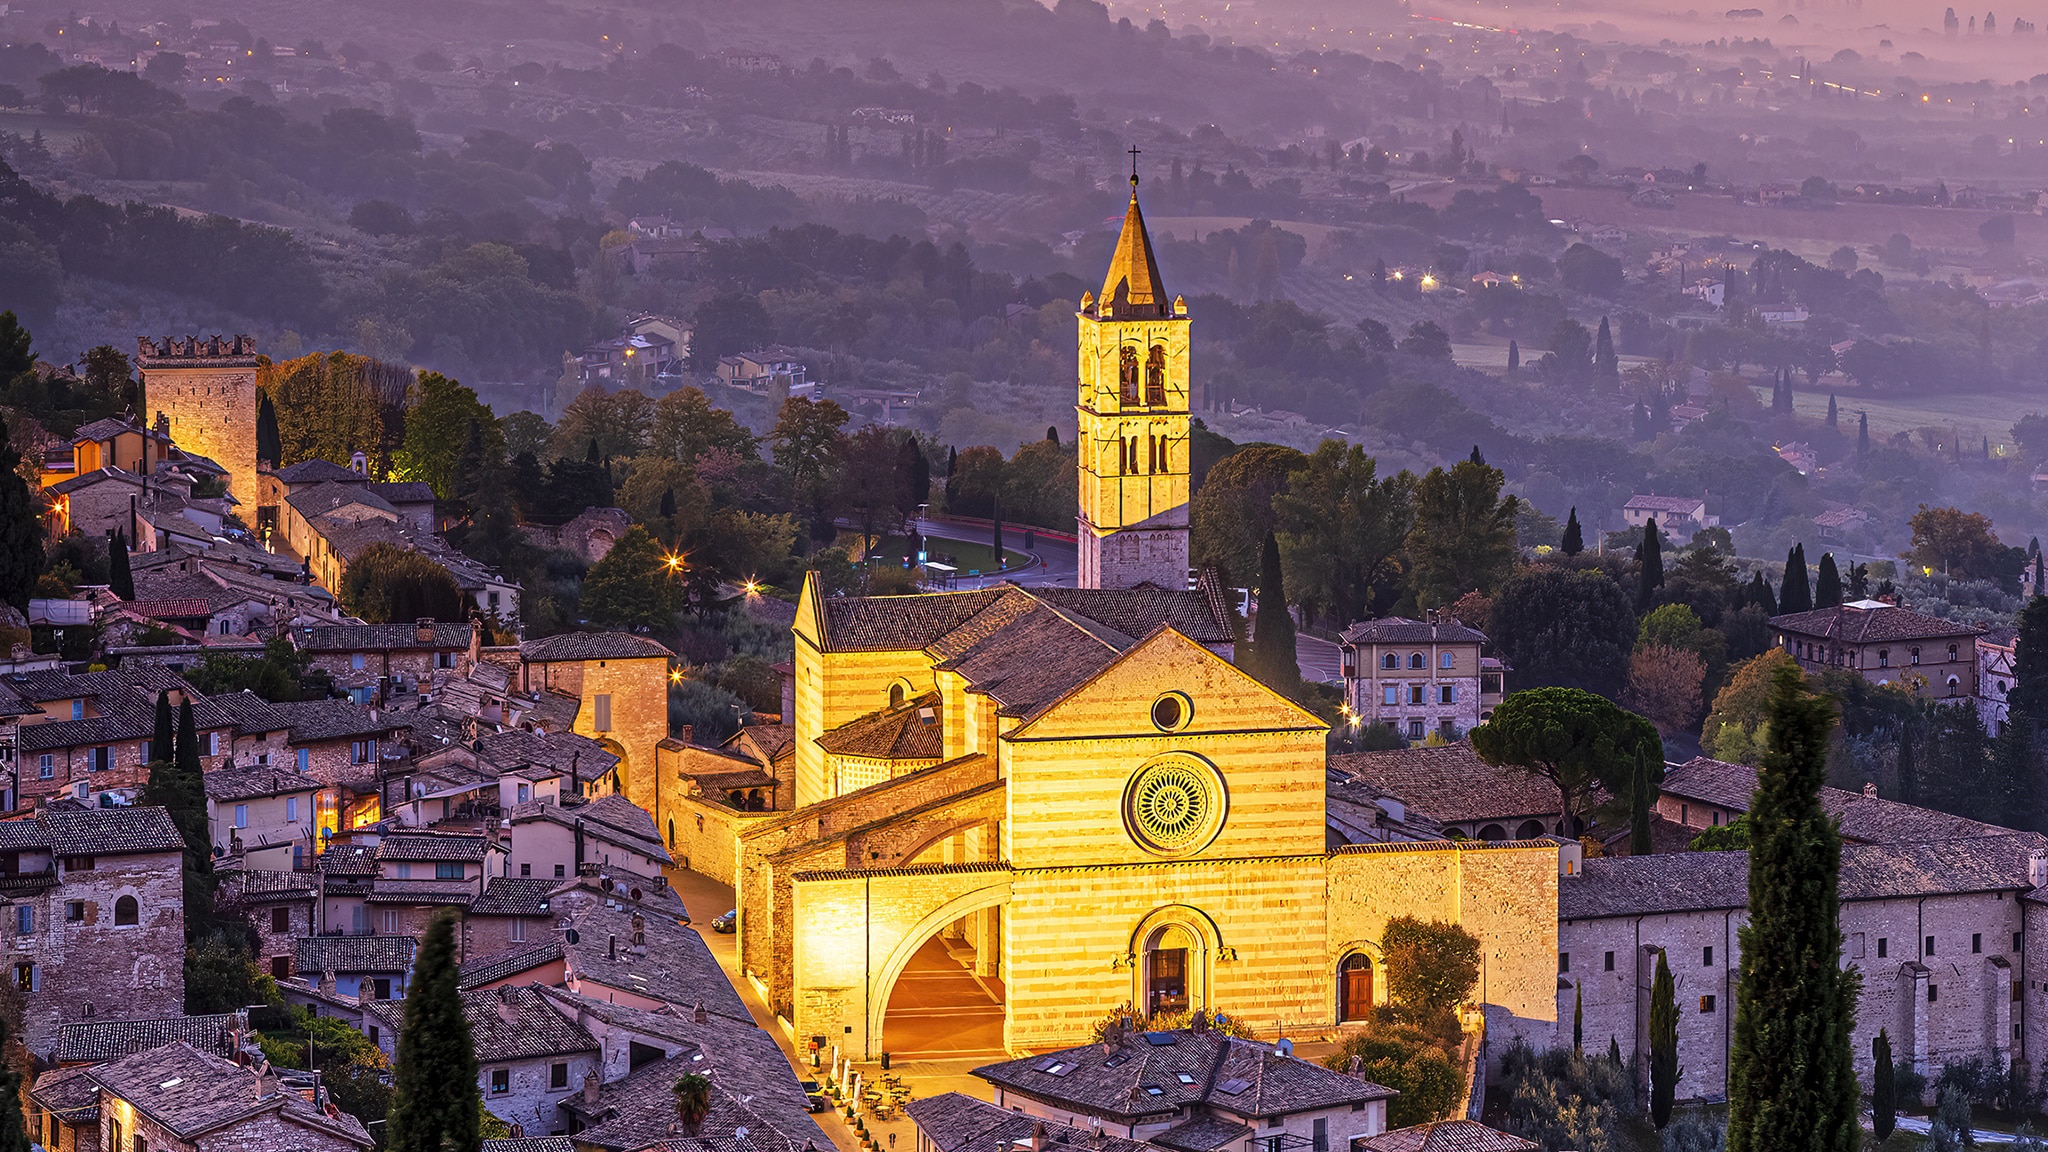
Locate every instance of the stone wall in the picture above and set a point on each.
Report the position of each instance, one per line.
(529, 1100)
(705, 835)
(211, 406)
(639, 711)
(91, 968)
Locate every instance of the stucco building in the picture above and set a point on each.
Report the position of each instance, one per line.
(1420, 676)
(1885, 644)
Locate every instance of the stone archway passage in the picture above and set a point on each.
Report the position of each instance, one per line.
(940, 1008)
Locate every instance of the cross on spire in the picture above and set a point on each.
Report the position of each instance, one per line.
(1134, 167)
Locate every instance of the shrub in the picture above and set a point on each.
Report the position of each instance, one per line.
(1410, 1060)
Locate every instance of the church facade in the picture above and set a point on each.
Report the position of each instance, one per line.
(1077, 799)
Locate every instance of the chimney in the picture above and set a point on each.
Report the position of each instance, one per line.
(1199, 1022)
(508, 1007)
(476, 641)
(1038, 1137)
(590, 1089)
(327, 984)
(689, 733)
(2037, 868)
(1356, 1068)
(1870, 790)
(698, 1015)
(423, 629)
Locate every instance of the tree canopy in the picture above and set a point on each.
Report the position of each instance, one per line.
(1581, 742)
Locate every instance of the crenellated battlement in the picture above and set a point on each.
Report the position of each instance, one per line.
(197, 351)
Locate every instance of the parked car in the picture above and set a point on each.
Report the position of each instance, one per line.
(728, 923)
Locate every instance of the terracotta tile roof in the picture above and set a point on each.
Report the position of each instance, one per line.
(1202, 1133)
(320, 499)
(501, 965)
(1703, 881)
(613, 819)
(675, 965)
(1850, 625)
(1445, 1136)
(336, 719)
(240, 887)
(380, 637)
(957, 1122)
(348, 860)
(530, 1144)
(431, 846)
(899, 623)
(189, 1093)
(751, 1087)
(1137, 612)
(1400, 630)
(421, 892)
(70, 1092)
(252, 783)
(1150, 1074)
(1451, 784)
(911, 731)
(1863, 819)
(111, 832)
(1027, 657)
(317, 471)
(512, 1023)
(513, 896)
(389, 954)
(1683, 505)
(592, 646)
(98, 1041)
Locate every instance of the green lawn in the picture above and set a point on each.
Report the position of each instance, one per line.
(967, 557)
(1974, 416)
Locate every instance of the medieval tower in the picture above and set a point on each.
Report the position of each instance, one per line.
(206, 388)
(1133, 422)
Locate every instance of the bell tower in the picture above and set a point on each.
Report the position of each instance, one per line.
(1132, 416)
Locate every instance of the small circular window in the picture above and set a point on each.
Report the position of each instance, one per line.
(1171, 712)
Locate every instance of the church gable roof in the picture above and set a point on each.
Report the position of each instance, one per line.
(1225, 698)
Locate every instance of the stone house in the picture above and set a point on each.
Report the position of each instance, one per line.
(1884, 643)
(256, 808)
(179, 1099)
(95, 927)
(1463, 794)
(281, 906)
(620, 683)
(511, 914)
(90, 733)
(421, 873)
(1704, 793)
(1679, 515)
(372, 967)
(1193, 1087)
(531, 1054)
(637, 1111)
(393, 658)
(612, 834)
(1996, 658)
(1942, 932)
(1419, 676)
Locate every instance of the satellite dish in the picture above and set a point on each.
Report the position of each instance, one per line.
(571, 936)
(740, 1133)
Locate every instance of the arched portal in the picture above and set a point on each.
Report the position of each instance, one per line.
(1355, 987)
(913, 954)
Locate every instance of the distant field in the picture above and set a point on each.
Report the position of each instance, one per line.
(59, 132)
(1975, 417)
(1861, 225)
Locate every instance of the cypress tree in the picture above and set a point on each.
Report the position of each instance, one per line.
(1578, 1021)
(920, 475)
(1649, 566)
(2014, 795)
(1831, 409)
(668, 503)
(1273, 658)
(1574, 537)
(13, 1128)
(1884, 1095)
(120, 576)
(178, 784)
(1514, 356)
(952, 461)
(1606, 364)
(434, 1099)
(2037, 574)
(2028, 699)
(1664, 1067)
(1790, 1080)
(163, 744)
(1642, 795)
(1795, 594)
(998, 533)
(21, 530)
(269, 444)
(1862, 434)
(1760, 593)
(1909, 771)
(1827, 592)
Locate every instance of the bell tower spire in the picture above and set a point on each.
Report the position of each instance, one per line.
(1133, 418)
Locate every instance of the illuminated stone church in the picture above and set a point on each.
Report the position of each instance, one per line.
(1058, 802)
